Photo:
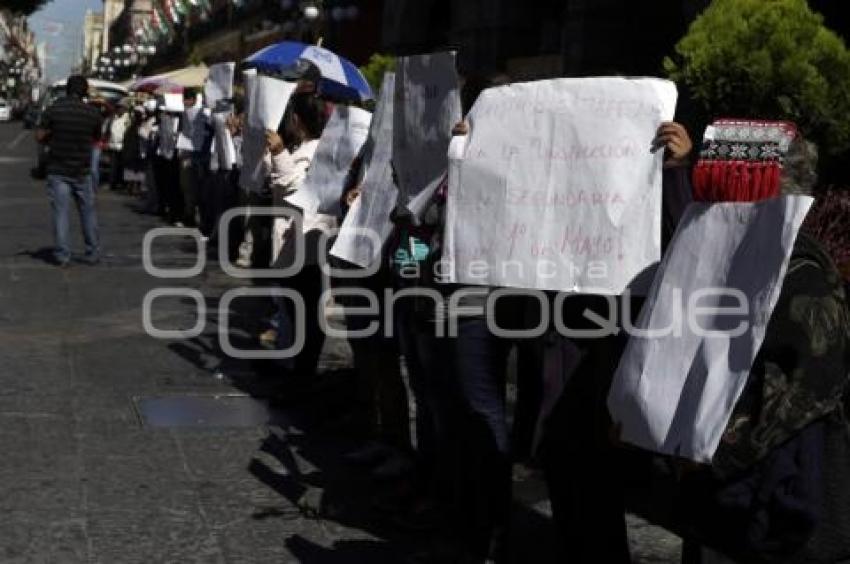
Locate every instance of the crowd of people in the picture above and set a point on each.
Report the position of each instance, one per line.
(454, 471)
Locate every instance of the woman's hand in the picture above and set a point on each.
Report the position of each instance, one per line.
(675, 139)
(460, 128)
(349, 197)
(274, 142)
(234, 124)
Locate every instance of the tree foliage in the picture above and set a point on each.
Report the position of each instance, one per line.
(771, 59)
(25, 7)
(374, 70)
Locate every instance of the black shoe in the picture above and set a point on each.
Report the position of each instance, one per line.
(90, 260)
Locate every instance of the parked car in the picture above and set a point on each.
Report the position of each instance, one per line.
(110, 92)
(5, 110)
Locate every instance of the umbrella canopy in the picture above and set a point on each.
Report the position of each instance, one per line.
(155, 85)
(174, 81)
(340, 78)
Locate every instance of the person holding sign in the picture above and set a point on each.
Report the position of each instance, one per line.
(291, 149)
(761, 474)
(582, 469)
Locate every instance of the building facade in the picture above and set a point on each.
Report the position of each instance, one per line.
(544, 38)
(112, 10)
(20, 63)
(92, 40)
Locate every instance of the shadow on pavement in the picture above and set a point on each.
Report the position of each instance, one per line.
(303, 459)
(44, 254)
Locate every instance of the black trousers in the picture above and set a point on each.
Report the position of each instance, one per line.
(584, 469)
(167, 175)
(308, 284)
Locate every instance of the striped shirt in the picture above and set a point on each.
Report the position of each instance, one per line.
(73, 126)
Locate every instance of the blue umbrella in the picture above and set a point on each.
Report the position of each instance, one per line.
(340, 78)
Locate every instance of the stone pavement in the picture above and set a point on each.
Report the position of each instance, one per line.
(82, 480)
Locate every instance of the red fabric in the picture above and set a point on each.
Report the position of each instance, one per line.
(716, 179)
(735, 181)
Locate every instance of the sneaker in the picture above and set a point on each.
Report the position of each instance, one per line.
(91, 260)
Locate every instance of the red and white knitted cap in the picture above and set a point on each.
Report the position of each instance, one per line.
(741, 160)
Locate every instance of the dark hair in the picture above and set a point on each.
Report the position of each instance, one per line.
(77, 86)
(238, 103)
(311, 117)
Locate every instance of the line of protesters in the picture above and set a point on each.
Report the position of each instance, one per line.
(454, 473)
(777, 490)
(160, 149)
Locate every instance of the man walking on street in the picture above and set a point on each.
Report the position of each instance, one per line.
(69, 128)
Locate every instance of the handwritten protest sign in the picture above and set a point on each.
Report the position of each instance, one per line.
(370, 212)
(269, 97)
(558, 189)
(341, 142)
(703, 324)
(427, 106)
(219, 84)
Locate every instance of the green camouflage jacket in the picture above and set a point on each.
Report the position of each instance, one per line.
(801, 372)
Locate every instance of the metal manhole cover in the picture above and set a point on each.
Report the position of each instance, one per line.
(203, 411)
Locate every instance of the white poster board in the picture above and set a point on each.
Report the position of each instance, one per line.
(269, 97)
(341, 141)
(168, 126)
(266, 100)
(219, 84)
(224, 151)
(427, 107)
(173, 102)
(370, 212)
(558, 189)
(676, 387)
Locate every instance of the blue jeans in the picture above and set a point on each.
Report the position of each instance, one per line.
(479, 362)
(60, 189)
(95, 167)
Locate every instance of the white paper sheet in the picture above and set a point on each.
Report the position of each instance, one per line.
(173, 102)
(341, 141)
(371, 211)
(269, 97)
(427, 107)
(674, 392)
(558, 189)
(249, 80)
(168, 135)
(266, 100)
(219, 84)
(255, 165)
(224, 152)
